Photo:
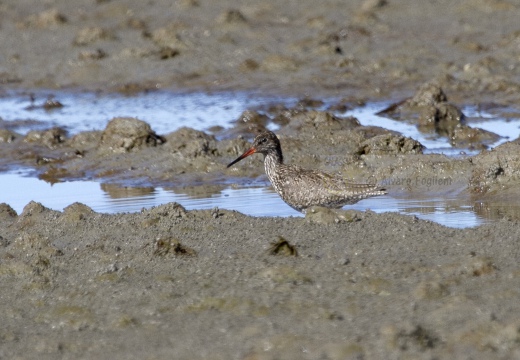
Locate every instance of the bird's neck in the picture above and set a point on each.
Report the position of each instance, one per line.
(271, 161)
(274, 158)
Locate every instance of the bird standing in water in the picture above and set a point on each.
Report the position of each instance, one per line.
(301, 188)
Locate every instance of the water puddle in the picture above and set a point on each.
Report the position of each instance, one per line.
(166, 112)
(254, 201)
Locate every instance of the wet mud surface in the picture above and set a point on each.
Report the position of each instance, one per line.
(217, 284)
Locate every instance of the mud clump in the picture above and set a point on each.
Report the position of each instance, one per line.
(282, 247)
(7, 211)
(279, 63)
(250, 123)
(128, 134)
(407, 336)
(232, 16)
(308, 120)
(448, 120)
(191, 143)
(322, 215)
(496, 170)
(169, 37)
(170, 246)
(7, 136)
(390, 144)
(51, 138)
(85, 140)
(253, 118)
(172, 210)
(76, 212)
(51, 18)
(90, 35)
(434, 113)
(442, 117)
(474, 138)
(429, 94)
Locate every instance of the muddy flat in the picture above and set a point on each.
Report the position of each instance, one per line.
(166, 282)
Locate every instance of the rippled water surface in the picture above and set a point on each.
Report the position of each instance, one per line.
(166, 112)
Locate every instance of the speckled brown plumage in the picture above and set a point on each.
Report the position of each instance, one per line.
(301, 188)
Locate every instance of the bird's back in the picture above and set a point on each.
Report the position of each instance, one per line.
(302, 188)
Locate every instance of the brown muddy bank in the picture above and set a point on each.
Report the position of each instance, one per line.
(363, 49)
(220, 285)
(217, 284)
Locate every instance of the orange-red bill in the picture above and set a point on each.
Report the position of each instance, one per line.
(244, 155)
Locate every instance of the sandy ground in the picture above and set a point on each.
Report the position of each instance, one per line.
(167, 283)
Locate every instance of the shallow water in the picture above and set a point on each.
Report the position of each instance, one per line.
(166, 112)
(255, 201)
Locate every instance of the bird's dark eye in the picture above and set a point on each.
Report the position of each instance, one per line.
(263, 140)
